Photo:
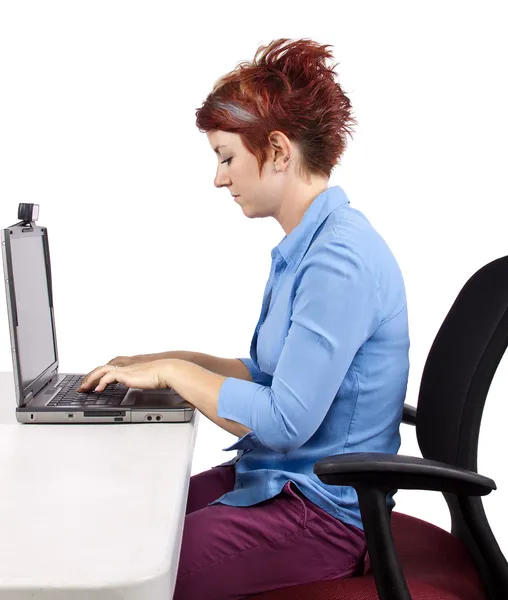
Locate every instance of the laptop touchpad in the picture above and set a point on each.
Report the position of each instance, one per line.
(154, 399)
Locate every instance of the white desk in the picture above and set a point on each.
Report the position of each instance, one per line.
(90, 511)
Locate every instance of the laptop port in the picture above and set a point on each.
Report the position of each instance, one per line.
(158, 418)
(104, 413)
(149, 418)
(70, 415)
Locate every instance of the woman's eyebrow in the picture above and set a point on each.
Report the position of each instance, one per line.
(217, 148)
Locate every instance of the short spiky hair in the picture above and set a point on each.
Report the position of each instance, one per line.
(288, 88)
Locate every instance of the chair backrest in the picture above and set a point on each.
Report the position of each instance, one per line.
(455, 382)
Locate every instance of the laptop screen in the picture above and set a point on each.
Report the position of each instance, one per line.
(36, 349)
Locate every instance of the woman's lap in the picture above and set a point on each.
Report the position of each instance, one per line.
(209, 485)
(229, 552)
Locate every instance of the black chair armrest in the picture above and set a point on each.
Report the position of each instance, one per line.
(394, 471)
(409, 415)
(373, 475)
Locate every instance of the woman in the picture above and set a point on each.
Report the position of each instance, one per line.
(328, 365)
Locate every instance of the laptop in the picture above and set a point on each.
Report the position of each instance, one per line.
(43, 394)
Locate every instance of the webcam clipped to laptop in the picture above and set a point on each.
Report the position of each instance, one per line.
(43, 394)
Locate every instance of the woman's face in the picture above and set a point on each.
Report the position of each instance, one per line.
(237, 170)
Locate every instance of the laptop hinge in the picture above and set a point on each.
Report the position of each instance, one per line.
(29, 397)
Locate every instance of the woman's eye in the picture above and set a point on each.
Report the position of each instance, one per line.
(228, 160)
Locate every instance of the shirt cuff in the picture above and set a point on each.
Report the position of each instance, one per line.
(257, 375)
(236, 397)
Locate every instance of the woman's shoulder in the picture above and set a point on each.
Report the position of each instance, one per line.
(345, 232)
(350, 228)
(349, 241)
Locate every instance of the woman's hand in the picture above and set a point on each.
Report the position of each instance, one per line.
(147, 375)
(125, 361)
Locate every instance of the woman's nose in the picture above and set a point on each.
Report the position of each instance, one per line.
(221, 179)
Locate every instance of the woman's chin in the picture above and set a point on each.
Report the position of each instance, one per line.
(245, 210)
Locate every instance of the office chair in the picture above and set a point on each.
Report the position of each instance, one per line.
(412, 559)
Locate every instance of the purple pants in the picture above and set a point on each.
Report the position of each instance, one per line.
(230, 552)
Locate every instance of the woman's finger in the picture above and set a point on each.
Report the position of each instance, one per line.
(114, 374)
(94, 376)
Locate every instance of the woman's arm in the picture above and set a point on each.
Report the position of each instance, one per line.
(201, 388)
(229, 367)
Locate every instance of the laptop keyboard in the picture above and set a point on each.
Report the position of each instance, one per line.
(111, 395)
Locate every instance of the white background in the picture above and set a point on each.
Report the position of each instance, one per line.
(97, 125)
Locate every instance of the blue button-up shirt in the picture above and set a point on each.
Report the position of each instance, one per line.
(329, 360)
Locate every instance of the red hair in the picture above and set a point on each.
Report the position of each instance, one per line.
(289, 89)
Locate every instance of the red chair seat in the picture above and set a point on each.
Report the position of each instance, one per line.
(436, 566)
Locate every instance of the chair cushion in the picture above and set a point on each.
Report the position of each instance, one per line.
(436, 565)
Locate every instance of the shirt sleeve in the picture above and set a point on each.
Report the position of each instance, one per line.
(257, 375)
(335, 310)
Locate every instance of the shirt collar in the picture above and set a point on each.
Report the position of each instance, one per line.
(292, 248)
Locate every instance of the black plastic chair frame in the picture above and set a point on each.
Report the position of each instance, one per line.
(458, 372)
